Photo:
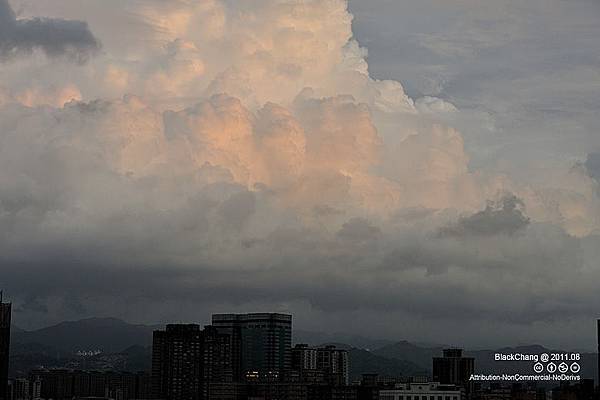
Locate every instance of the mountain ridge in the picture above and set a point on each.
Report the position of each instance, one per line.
(105, 334)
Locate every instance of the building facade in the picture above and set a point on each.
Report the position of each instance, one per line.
(63, 384)
(216, 359)
(177, 363)
(422, 391)
(19, 389)
(328, 362)
(5, 315)
(186, 360)
(334, 362)
(260, 344)
(453, 369)
(304, 358)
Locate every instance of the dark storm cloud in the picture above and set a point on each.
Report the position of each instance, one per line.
(334, 275)
(56, 37)
(592, 165)
(501, 217)
(359, 230)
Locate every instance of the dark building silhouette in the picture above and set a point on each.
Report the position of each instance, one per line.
(217, 356)
(66, 384)
(19, 389)
(186, 360)
(514, 391)
(453, 368)
(598, 354)
(583, 390)
(5, 313)
(297, 391)
(260, 344)
(177, 362)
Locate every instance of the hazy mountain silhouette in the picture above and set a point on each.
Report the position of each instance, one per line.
(404, 350)
(318, 338)
(109, 335)
(366, 362)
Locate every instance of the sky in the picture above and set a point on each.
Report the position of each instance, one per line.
(423, 170)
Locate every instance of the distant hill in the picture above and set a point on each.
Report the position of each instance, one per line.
(404, 350)
(123, 346)
(366, 362)
(110, 335)
(363, 361)
(318, 338)
(137, 358)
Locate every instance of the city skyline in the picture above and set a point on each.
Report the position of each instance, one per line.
(314, 337)
(249, 356)
(394, 169)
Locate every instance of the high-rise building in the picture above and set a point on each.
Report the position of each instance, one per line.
(55, 383)
(304, 358)
(36, 389)
(186, 360)
(19, 389)
(177, 362)
(260, 343)
(216, 358)
(598, 354)
(453, 368)
(5, 313)
(329, 362)
(334, 362)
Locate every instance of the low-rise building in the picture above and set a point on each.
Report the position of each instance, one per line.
(422, 391)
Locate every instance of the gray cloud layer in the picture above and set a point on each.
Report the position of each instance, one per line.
(56, 37)
(540, 105)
